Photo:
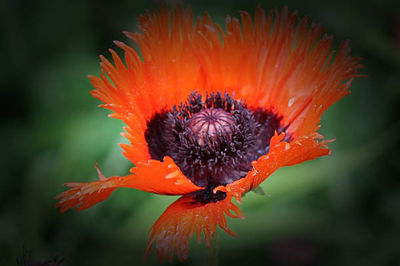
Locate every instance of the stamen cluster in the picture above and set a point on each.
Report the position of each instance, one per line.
(212, 141)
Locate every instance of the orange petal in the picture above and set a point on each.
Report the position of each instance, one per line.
(165, 77)
(154, 176)
(160, 177)
(140, 88)
(281, 154)
(289, 69)
(182, 219)
(85, 195)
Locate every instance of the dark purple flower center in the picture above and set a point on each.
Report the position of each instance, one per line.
(214, 141)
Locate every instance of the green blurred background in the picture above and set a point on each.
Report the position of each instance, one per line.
(342, 209)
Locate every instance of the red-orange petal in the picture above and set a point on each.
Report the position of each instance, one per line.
(185, 217)
(279, 62)
(289, 69)
(169, 71)
(85, 195)
(154, 176)
(281, 154)
(160, 177)
(165, 77)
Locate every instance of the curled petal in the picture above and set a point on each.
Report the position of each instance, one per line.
(172, 231)
(160, 177)
(154, 176)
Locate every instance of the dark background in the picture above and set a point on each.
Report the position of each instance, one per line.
(342, 209)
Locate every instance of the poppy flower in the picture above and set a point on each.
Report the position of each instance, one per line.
(211, 113)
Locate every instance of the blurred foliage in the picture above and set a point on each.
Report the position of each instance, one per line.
(342, 209)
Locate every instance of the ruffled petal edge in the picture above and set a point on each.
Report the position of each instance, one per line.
(185, 217)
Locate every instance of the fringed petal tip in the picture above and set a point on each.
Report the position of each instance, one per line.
(85, 195)
(154, 176)
(185, 217)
